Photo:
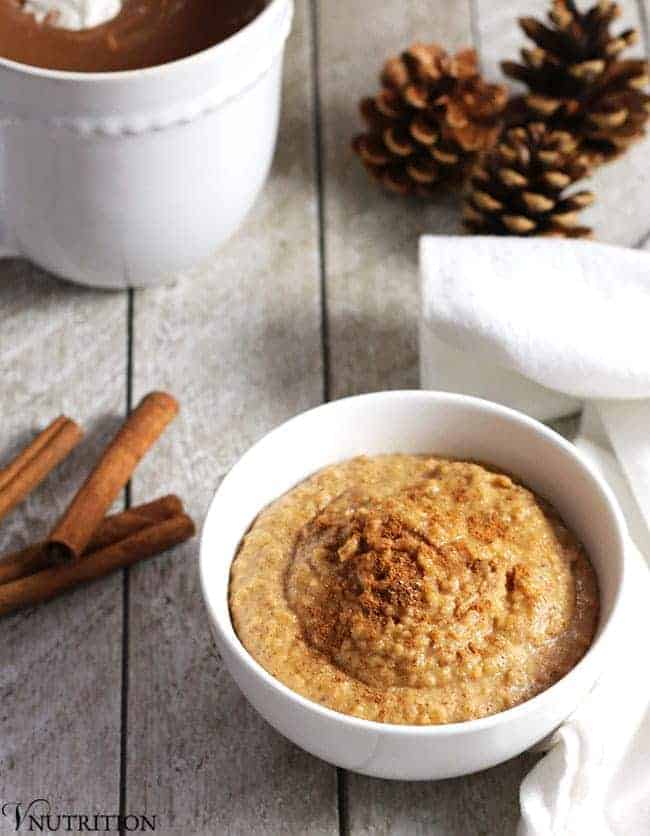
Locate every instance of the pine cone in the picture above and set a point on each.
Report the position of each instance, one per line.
(520, 187)
(577, 81)
(433, 116)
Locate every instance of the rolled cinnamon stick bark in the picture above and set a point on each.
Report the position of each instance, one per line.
(111, 530)
(36, 461)
(48, 583)
(118, 526)
(139, 432)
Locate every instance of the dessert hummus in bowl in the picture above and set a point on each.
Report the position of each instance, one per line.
(413, 585)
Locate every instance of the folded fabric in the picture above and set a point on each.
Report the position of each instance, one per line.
(542, 325)
(549, 327)
(595, 779)
(570, 316)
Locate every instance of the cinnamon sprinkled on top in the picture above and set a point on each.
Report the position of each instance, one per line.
(408, 589)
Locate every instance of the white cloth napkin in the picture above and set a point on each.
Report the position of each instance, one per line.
(544, 326)
(595, 779)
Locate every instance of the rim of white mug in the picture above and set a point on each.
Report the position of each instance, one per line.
(601, 643)
(108, 77)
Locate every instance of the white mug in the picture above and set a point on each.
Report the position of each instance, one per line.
(123, 179)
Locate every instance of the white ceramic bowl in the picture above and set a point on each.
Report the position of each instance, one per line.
(412, 422)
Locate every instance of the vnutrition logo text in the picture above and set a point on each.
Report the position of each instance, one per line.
(37, 816)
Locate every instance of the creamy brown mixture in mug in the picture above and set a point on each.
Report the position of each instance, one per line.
(144, 34)
(408, 589)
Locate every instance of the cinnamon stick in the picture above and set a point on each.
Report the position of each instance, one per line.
(36, 461)
(48, 583)
(111, 530)
(119, 526)
(139, 432)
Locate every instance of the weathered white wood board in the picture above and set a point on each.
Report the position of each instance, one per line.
(240, 345)
(486, 803)
(370, 236)
(62, 349)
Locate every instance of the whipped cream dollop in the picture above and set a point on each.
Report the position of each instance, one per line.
(73, 14)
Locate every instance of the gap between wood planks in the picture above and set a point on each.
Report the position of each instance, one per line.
(320, 192)
(124, 705)
(341, 776)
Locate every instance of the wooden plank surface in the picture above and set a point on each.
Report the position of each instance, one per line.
(371, 237)
(240, 346)
(477, 805)
(61, 349)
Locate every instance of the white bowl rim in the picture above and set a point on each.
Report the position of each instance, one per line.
(531, 705)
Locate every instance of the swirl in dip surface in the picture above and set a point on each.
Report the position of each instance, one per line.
(411, 589)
